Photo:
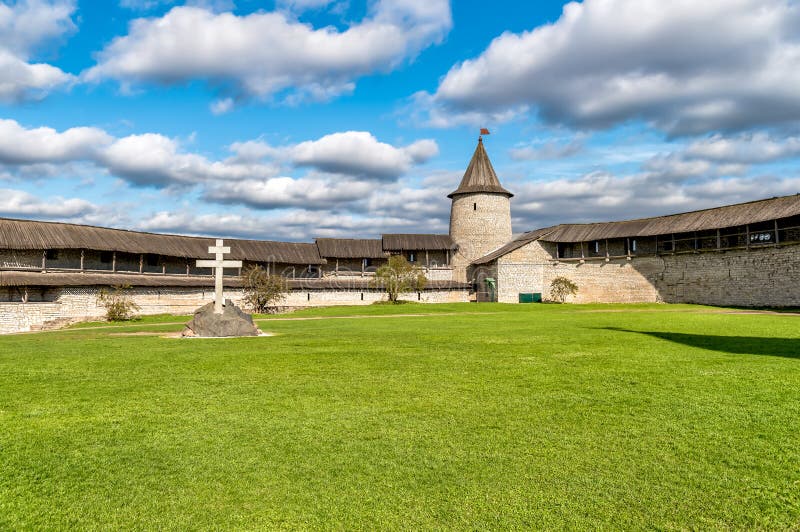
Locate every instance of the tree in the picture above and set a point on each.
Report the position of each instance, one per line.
(262, 290)
(118, 304)
(561, 287)
(398, 276)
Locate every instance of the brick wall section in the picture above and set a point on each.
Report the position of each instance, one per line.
(479, 224)
(768, 276)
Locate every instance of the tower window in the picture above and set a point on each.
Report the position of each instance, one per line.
(474, 206)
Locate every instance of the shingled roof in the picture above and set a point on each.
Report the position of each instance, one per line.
(416, 242)
(350, 248)
(703, 220)
(26, 234)
(524, 238)
(480, 176)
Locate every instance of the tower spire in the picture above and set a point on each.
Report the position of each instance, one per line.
(480, 175)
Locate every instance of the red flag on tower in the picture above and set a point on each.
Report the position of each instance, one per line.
(485, 131)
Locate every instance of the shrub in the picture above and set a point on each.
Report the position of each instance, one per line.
(262, 290)
(561, 287)
(398, 276)
(118, 304)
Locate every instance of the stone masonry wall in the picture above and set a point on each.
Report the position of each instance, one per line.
(768, 276)
(80, 303)
(479, 224)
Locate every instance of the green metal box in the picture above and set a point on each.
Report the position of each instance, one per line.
(534, 297)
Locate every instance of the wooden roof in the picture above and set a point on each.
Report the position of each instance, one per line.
(480, 176)
(56, 279)
(26, 234)
(524, 238)
(350, 248)
(417, 242)
(703, 220)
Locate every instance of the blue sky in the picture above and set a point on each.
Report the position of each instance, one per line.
(292, 119)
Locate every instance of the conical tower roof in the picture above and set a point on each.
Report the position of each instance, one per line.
(480, 176)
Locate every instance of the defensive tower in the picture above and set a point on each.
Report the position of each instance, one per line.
(480, 214)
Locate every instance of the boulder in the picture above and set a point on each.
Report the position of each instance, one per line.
(232, 322)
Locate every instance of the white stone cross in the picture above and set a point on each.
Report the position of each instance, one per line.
(218, 264)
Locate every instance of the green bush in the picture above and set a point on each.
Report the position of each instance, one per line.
(118, 304)
(561, 287)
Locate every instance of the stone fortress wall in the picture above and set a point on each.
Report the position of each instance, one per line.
(763, 276)
(31, 309)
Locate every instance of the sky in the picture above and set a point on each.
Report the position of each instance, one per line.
(296, 119)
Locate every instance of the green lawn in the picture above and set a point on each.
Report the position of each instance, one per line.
(472, 417)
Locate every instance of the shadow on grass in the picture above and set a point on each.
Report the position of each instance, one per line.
(737, 345)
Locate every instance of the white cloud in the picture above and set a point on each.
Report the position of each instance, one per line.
(687, 67)
(359, 153)
(20, 203)
(745, 148)
(21, 146)
(26, 26)
(221, 106)
(280, 192)
(550, 149)
(266, 53)
(153, 159)
(352, 153)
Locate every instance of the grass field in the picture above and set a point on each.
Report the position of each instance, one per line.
(467, 417)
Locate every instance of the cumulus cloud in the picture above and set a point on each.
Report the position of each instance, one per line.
(26, 26)
(686, 67)
(748, 148)
(267, 53)
(551, 149)
(352, 153)
(21, 146)
(280, 192)
(153, 159)
(20, 203)
(359, 153)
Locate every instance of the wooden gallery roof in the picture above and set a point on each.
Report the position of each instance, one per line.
(417, 242)
(350, 248)
(25, 234)
(704, 220)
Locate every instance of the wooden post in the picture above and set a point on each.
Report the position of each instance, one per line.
(672, 236)
(582, 255)
(695, 242)
(82, 256)
(747, 236)
(114, 261)
(363, 269)
(719, 241)
(141, 262)
(163, 268)
(44, 260)
(628, 246)
(607, 255)
(427, 261)
(187, 267)
(777, 236)
(337, 265)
